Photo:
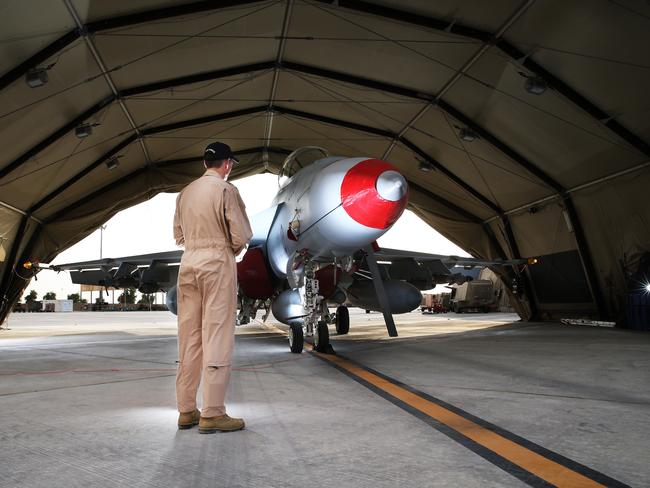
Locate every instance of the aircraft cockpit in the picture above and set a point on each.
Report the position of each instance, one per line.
(298, 159)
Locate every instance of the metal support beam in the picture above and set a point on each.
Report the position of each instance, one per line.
(390, 135)
(411, 18)
(18, 211)
(459, 181)
(72, 180)
(276, 73)
(55, 136)
(470, 217)
(576, 98)
(164, 13)
(587, 258)
(197, 78)
(133, 174)
(508, 49)
(152, 130)
(485, 47)
(10, 265)
(501, 146)
(41, 56)
(357, 80)
(203, 120)
(106, 74)
(198, 159)
(380, 290)
(514, 248)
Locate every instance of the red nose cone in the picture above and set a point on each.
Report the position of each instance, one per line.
(374, 194)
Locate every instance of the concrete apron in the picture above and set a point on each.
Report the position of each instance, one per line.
(504, 406)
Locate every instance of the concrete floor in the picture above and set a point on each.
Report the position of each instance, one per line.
(88, 400)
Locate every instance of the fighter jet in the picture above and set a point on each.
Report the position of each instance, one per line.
(314, 248)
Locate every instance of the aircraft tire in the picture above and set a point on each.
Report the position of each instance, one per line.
(322, 338)
(296, 339)
(342, 320)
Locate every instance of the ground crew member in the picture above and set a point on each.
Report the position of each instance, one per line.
(211, 222)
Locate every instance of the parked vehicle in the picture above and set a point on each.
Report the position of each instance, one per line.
(476, 295)
(432, 304)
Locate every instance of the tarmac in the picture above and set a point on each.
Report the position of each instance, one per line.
(87, 399)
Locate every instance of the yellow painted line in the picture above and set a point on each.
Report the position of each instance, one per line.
(544, 468)
(523, 457)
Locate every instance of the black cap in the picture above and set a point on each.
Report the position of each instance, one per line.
(217, 151)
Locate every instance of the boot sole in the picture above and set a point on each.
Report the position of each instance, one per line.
(187, 426)
(214, 431)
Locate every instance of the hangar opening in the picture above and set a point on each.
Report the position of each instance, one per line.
(517, 139)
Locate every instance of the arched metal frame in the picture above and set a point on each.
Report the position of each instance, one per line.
(354, 5)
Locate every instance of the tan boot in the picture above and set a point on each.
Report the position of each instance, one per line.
(188, 420)
(209, 425)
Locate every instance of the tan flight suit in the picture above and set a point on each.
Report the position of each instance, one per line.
(211, 222)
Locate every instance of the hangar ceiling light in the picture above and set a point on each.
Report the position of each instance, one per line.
(535, 85)
(467, 135)
(425, 167)
(112, 164)
(36, 77)
(84, 130)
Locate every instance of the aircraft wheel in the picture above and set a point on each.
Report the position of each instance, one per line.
(322, 338)
(342, 320)
(296, 338)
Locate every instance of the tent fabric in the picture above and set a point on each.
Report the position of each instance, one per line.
(533, 174)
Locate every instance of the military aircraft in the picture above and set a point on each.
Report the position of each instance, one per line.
(315, 247)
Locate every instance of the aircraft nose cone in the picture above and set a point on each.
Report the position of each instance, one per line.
(374, 193)
(391, 186)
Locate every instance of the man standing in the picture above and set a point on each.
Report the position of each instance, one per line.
(211, 222)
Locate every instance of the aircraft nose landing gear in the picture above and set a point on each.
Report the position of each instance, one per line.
(322, 339)
(316, 315)
(296, 338)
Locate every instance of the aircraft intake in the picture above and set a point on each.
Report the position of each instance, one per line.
(402, 296)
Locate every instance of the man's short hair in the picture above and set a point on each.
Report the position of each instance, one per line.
(214, 163)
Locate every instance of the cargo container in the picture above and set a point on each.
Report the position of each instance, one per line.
(476, 295)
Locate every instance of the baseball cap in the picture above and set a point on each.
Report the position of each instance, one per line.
(218, 150)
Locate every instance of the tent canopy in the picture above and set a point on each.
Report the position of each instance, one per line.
(520, 125)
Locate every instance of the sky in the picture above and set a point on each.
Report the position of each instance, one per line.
(147, 228)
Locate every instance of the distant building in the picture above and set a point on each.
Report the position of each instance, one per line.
(57, 305)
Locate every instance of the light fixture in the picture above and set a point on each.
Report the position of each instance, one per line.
(425, 167)
(467, 135)
(112, 164)
(36, 77)
(535, 85)
(647, 287)
(84, 130)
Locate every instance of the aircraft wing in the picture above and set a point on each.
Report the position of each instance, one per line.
(385, 254)
(167, 257)
(146, 272)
